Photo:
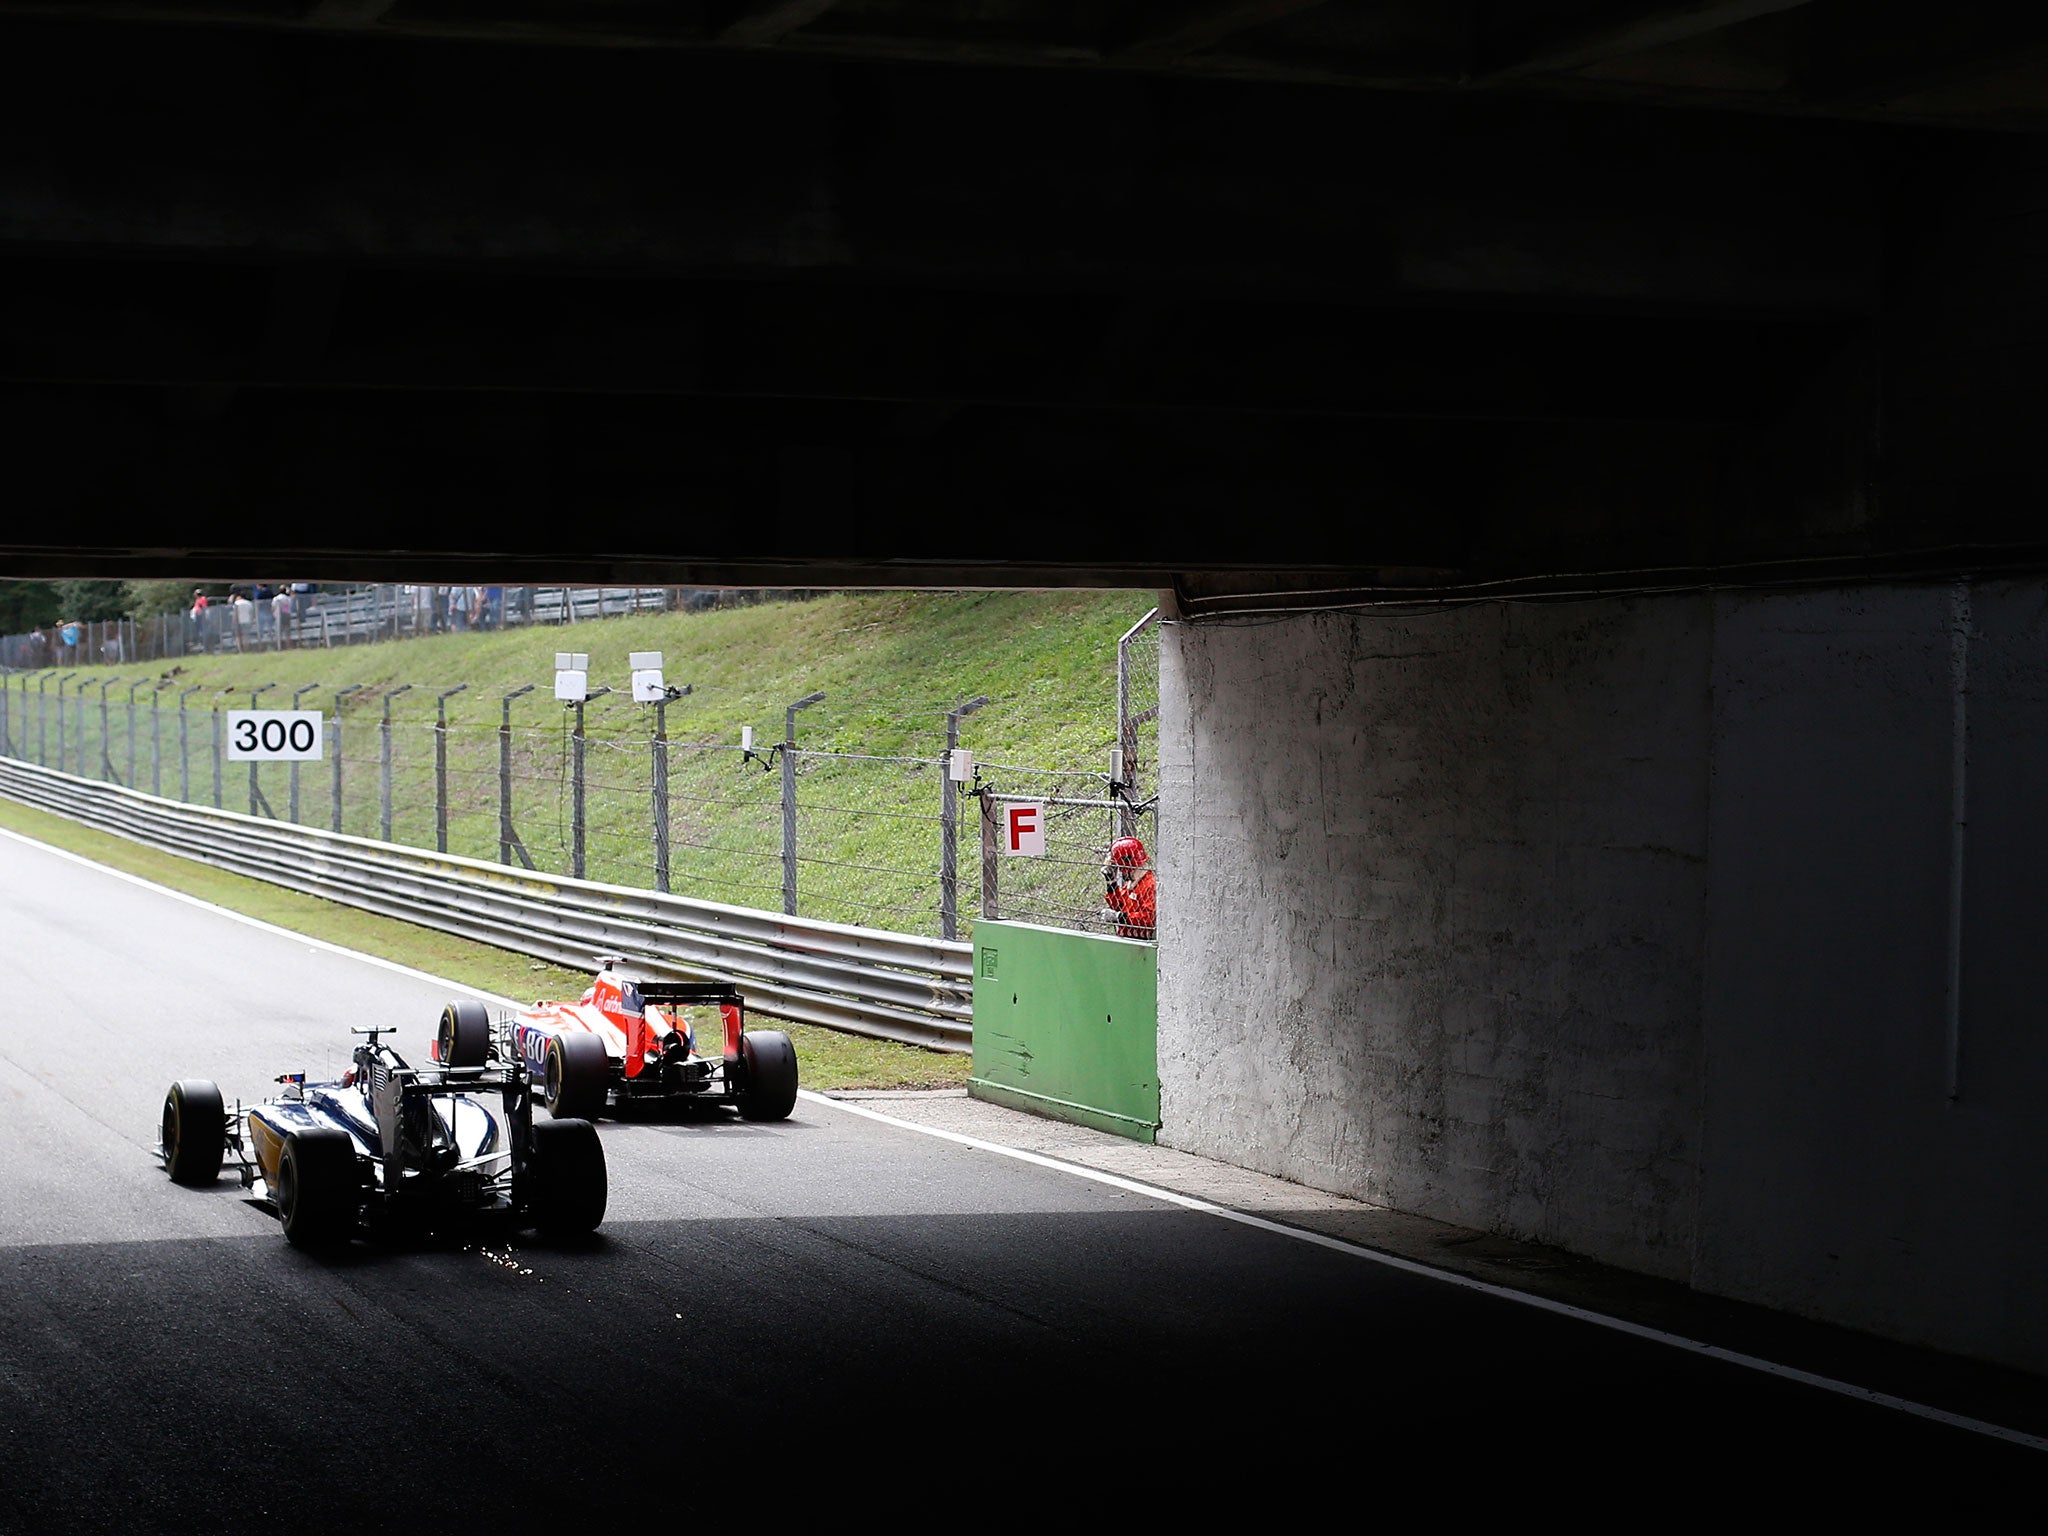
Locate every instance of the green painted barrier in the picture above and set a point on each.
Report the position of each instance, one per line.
(1067, 1025)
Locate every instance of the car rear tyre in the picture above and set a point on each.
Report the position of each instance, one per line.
(569, 1187)
(767, 1075)
(465, 1036)
(195, 1132)
(317, 1188)
(577, 1074)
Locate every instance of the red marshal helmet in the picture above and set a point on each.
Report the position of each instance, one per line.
(1127, 851)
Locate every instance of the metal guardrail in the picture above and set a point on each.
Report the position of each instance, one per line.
(864, 981)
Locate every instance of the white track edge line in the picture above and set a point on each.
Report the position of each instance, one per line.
(253, 922)
(1504, 1293)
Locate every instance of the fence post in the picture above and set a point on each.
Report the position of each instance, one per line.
(334, 811)
(106, 732)
(43, 719)
(661, 795)
(131, 730)
(184, 756)
(989, 857)
(156, 740)
(6, 705)
(507, 838)
(1127, 725)
(949, 822)
(62, 678)
(441, 766)
(789, 800)
(218, 764)
(255, 793)
(576, 793)
(293, 816)
(384, 761)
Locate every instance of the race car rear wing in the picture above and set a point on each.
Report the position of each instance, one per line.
(686, 992)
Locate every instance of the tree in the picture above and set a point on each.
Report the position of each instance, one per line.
(92, 601)
(25, 604)
(147, 599)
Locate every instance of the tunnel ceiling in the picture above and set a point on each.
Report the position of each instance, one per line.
(1268, 302)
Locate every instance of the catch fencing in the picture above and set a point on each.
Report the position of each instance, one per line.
(631, 795)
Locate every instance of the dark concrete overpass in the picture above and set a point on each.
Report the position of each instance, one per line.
(1267, 296)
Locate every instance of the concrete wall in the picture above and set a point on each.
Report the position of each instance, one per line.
(1656, 929)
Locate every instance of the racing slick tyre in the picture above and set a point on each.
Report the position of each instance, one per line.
(568, 1188)
(576, 1076)
(465, 1036)
(317, 1188)
(195, 1132)
(767, 1075)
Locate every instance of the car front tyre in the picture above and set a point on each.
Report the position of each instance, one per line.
(195, 1132)
(464, 1038)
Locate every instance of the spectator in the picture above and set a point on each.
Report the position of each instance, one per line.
(38, 648)
(281, 614)
(1129, 890)
(494, 607)
(68, 632)
(245, 615)
(262, 596)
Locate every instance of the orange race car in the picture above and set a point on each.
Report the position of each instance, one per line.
(627, 1041)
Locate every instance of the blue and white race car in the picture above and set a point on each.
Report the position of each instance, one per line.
(394, 1149)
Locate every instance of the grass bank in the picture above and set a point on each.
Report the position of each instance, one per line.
(464, 742)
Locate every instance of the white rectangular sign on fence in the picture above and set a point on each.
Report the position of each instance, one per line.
(1024, 829)
(274, 735)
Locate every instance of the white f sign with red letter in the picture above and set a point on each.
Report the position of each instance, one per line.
(1024, 829)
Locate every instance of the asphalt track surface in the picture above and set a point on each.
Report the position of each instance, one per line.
(826, 1317)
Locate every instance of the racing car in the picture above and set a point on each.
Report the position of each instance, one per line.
(393, 1149)
(627, 1041)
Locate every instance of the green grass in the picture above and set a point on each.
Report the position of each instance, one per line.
(890, 664)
